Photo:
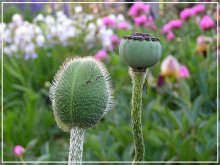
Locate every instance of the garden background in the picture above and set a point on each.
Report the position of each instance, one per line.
(179, 104)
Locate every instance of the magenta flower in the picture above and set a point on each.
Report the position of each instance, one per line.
(199, 8)
(123, 25)
(114, 39)
(187, 13)
(101, 55)
(183, 72)
(170, 36)
(153, 27)
(108, 21)
(175, 23)
(166, 28)
(138, 9)
(207, 23)
(18, 150)
(141, 20)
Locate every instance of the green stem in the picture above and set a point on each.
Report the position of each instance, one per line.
(76, 146)
(138, 79)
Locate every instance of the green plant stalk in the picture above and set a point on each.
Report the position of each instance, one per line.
(76, 146)
(138, 79)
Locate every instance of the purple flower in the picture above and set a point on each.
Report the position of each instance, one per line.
(199, 8)
(101, 54)
(166, 28)
(108, 21)
(207, 23)
(141, 20)
(187, 13)
(123, 25)
(18, 150)
(170, 36)
(138, 9)
(175, 23)
(115, 39)
(183, 72)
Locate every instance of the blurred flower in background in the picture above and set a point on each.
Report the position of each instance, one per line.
(203, 43)
(207, 23)
(101, 55)
(183, 72)
(18, 150)
(170, 36)
(139, 9)
(170, 67)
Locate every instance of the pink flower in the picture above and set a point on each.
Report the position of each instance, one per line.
(114, 39)
(150, 23)
(187, 13)
(150, 19)
(170, 36)
(123, 25)
(141, 20)
(101, 55)
(153, 27)
(207, 23)
(199, 8)
(170, 66)
(166, 28)
(108, 21)
(18, 150)
(175, 23)
(183, 72)
(203, 39)
(138, 8)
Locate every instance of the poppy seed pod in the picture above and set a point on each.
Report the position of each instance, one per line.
(140, 50)
(81, 93)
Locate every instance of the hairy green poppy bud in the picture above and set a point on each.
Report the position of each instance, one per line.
(81, 93)
(140, 50)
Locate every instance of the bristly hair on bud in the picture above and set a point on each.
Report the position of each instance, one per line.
(81, 93)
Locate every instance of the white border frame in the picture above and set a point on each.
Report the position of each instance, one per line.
(2, 4)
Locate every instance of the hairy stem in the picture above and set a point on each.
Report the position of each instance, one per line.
(76, 146)
(138, 79)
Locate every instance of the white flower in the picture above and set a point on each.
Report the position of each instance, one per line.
(29, 48)
(120, 18)
(13, 48)
(112, 16)
(78, 9)
(7, 51)
(40, 40)
(49, 20)
(92, 26)
(99, 22)
(39, 17)
(17, 19)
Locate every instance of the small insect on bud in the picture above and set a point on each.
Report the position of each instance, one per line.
(140, 50)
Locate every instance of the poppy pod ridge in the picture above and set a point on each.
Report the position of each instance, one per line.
(81, 95)
(140, 51)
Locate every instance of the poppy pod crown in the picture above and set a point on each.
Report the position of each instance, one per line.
(140, 50)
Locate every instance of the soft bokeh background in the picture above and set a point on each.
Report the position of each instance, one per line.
(179, 105)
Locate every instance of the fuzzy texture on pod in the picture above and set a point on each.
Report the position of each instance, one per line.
(140, 50)
(81, 93)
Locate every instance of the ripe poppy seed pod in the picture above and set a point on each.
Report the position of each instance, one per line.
(81, 93)
(140, 50)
